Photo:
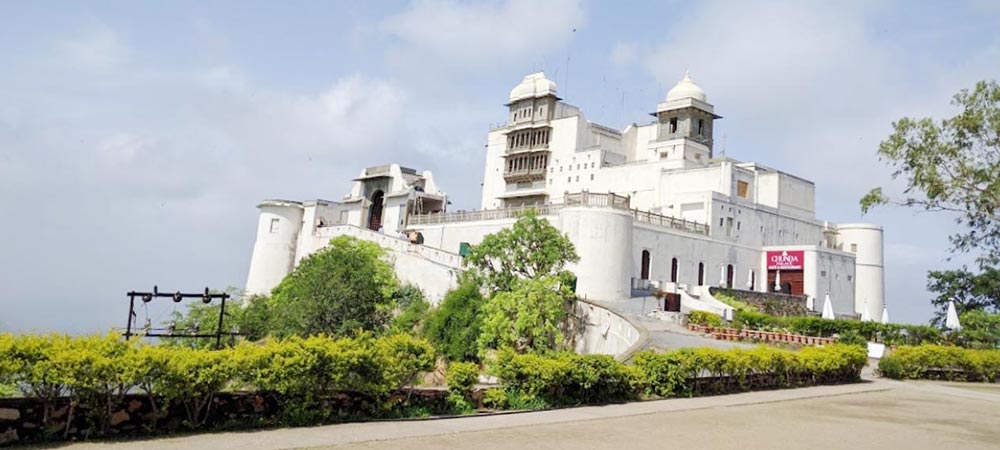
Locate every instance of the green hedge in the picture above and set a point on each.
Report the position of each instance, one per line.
(705, 318)
(941, 362)
(891, 334)
(304, 371)
(564, 378)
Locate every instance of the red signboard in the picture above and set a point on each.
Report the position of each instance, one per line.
(785, 260)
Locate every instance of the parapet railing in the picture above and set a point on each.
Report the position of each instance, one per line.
(669, 222)
(512, 212)
(589, 199)
(585, 198)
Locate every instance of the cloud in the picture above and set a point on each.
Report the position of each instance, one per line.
(448, 36)
(154, 180)
(624, 53)
(98, 50)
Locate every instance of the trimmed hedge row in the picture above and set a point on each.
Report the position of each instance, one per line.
(890, 334)
(941, 363)
(303, 371)
(569, 379)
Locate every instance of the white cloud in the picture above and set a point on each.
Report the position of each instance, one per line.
(98, 50)
(156, 179)
(624, 53)
(468, 37)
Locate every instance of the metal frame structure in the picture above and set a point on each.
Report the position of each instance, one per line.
(206, 297)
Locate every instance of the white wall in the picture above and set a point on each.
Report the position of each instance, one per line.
(870, 282)
(603, 240)
(603, 332)
(274, 249)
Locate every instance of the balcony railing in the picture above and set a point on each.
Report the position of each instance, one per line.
(588, 199)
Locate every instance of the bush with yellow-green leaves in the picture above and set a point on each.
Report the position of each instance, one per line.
(942, 363)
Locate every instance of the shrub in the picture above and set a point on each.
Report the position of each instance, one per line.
(454, 326)
(941, 362)
(528, 318)
(461, 379)
(567, 378)
(705, 318)
(729, 299)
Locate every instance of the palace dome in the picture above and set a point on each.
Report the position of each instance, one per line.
(533, 85)
(686, 88)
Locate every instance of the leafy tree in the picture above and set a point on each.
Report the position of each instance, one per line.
(339, 290)
(454, 326)
(412, 311)
(981, 329)
(952, 165)
(971, 292)
(527, 318)
(531, 249)
(248, 316)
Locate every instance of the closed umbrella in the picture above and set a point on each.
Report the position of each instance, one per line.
(951, 319)
(750, 279)
(885, 314)
(828, 308)
(722, 275)
(810, 303)
(865, 315)
(777, 280)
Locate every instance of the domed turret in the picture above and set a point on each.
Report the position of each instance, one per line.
(533, 85)
(686, 88)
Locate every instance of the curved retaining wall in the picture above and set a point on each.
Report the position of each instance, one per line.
(602, 331)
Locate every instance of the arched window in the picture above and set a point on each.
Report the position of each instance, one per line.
(729, 276)
(701, 274)
(375, 213)
(644, 274)
(673, 270)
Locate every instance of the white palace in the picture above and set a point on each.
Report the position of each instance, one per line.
(647, 206)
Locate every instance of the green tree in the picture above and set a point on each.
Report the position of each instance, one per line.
(339, 290)
(454, 326)
(531, 249)
(970, 291)
(412, 310)
(527, 318)
(952, 165)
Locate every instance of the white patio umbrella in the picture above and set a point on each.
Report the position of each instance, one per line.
(722, 276)
(828, 308)
(865, 315)
(885, 314)
(777, 280)
(750, 279)
(951, 319)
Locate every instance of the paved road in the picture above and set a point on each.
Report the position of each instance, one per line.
(664, 335)
(882, 414)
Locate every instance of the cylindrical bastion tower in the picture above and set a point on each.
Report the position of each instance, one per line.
(603, 240)
(273, 257)
(865, 241)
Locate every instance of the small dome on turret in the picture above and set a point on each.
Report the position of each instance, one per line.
(533, 85)
(686, 88)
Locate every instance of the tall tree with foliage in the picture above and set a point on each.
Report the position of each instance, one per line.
(970, 291)
(530, 249)
(454, 326)
(339, 290)
(952, 165)
(528, 318)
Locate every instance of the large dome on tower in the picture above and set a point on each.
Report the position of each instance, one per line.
(533, 85)
(686, 88)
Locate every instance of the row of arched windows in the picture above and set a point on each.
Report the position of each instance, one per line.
(675, 268)
(528, 138)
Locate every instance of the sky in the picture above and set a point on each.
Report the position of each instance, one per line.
(136, 138)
